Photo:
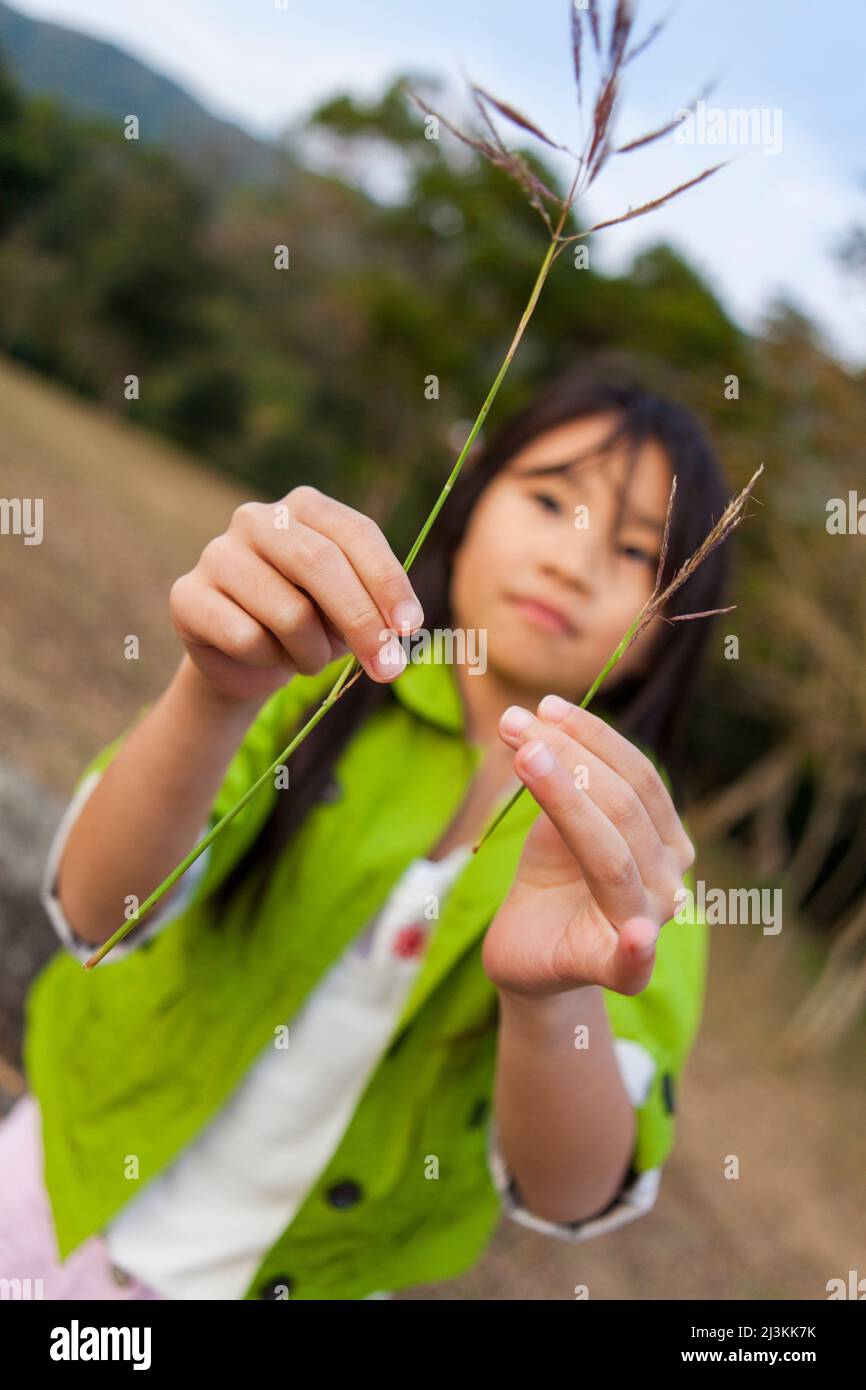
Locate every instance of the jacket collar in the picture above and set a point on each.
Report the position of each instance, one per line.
(429, 687)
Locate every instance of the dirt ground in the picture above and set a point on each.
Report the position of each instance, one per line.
(123, 516)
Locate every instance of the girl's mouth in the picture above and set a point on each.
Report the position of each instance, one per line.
(542, 615)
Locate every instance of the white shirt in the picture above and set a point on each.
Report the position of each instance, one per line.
(201, 1228)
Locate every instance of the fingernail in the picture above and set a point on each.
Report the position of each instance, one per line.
(538, 759)
(553, 707)
(407, 614)
(515, 720)
(391, 659)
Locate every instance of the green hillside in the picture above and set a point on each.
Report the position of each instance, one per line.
(95, 77)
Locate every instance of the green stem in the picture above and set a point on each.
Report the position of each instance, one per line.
(180, 870)
(352, 662)
(590, 695)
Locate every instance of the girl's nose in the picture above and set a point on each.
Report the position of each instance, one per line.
(576, 562)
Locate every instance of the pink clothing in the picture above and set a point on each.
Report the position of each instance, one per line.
(28, 1251)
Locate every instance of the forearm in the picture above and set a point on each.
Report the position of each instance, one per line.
(566, 1125)
(149, 806)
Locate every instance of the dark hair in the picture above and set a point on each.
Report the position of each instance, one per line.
(650, 708)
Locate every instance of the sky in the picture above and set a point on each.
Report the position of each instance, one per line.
(764, 227)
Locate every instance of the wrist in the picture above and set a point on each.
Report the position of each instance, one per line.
(550, 1013)
(207, 701)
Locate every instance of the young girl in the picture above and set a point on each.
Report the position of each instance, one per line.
(343, 1044)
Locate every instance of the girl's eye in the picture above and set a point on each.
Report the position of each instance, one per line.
(547, 501)
(637, 552)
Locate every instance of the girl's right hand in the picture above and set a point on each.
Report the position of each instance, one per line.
(288, 587)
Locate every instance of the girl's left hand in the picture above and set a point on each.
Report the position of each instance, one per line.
(599, 871)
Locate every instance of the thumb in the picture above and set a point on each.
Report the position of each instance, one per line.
(634, 957)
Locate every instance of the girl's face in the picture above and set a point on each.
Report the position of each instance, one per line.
(544, 568)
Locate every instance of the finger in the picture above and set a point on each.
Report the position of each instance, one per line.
(338, 646)
(267, 596)
(612, 794)
(622, 960)
(604, 858)
(222, 624)
(633, 961)
(632, 765)
(318, 566)
(368, 551)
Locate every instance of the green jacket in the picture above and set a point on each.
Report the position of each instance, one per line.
(136, 1056)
